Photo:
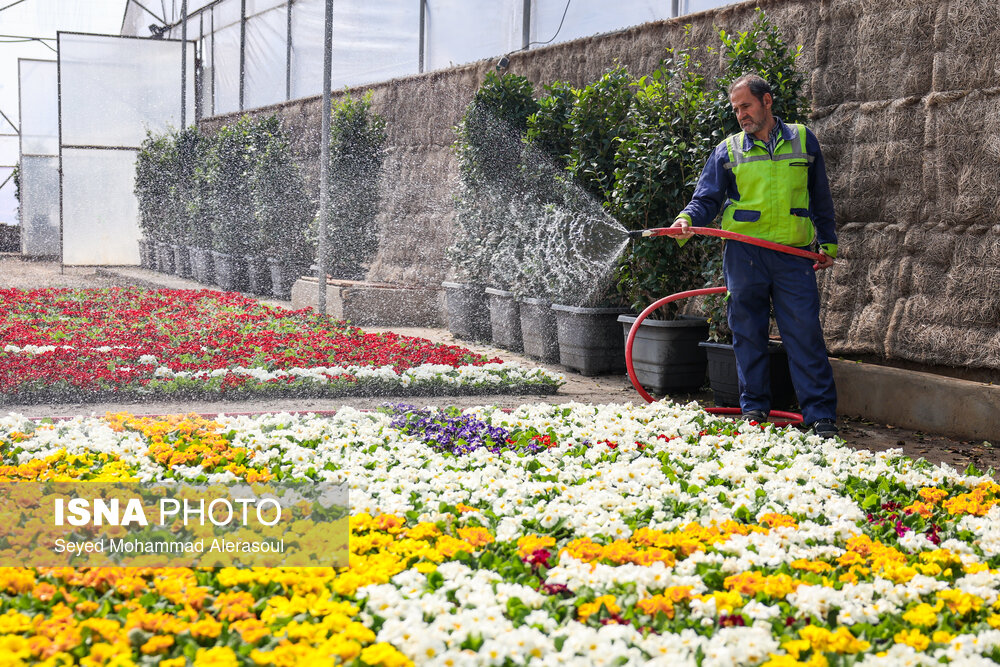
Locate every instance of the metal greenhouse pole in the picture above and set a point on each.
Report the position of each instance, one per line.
(184, 51)
(324, 156)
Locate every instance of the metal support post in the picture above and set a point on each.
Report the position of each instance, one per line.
(184, 60)
(324, 157)
(288, 52)
(243, 50)
(525, 24)
(423, 35)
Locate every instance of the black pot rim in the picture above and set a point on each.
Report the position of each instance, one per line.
(772, 345)
(664, 324)
(583, 310)
(468, 286)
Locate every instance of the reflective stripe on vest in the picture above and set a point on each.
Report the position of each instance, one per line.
(773, 190)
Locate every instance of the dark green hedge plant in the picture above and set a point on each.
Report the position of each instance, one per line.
(189, 226)
(281, 206)
(666, 139)
(357, 155)
(154, 171)
(229, 167)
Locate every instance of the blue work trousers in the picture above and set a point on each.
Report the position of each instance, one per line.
(756, 278)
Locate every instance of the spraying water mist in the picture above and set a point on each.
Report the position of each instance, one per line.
(541, 234)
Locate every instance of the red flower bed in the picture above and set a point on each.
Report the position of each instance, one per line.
(108, 340)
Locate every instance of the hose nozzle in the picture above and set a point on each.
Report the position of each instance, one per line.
(636, 234)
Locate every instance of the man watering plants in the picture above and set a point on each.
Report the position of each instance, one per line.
(770, 182)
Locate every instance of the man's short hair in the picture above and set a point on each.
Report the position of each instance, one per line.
(757, 85)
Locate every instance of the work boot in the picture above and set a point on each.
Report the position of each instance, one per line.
(825, 428)
(754, 416)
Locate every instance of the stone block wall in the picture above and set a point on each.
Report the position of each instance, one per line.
(906, 100)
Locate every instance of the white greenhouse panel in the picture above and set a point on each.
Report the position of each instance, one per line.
(267, 34)
(374, 41)
(590, 17)
(114, 89)
(39, 206)
(308, 19)
(8, 151)
(39, 83)
(100, 211)
(226, 69)
(463, 31)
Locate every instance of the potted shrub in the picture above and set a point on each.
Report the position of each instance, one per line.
(229, 161)
(587, 307)
(263, 147)
(488, 145)
(543, 157)
(198, 208)
(184, 188)
(659, 159)
(282, 211)
(152, 191)
(357, 154)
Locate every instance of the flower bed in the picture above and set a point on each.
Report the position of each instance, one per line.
(546, 535)
(68, 345)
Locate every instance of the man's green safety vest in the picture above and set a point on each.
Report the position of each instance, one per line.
(774, 190)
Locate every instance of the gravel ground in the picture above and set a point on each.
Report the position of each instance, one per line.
(856, 430)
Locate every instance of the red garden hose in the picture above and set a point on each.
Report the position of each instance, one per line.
(785, 417)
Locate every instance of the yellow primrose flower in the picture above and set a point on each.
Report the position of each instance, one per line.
(531, 543)
(14, 622)
(157, 644)
(959, 602)
(206, 628)
(422, 531)
(475, 536)
(814, 566)
(913, 637)
(932, 494)
(922, 615)
(384, 655)
(588, 609)
(217, 656)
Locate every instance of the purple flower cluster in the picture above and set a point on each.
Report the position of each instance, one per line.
(449, 430)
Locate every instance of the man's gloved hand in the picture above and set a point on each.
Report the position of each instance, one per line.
(681, 223)
(825, 262)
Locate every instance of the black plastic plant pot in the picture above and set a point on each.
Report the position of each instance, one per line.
(666, 356)
(725, 381)
(230, 271)
(590, 339)
(539, 334)
(468, 312)
(505, 319)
